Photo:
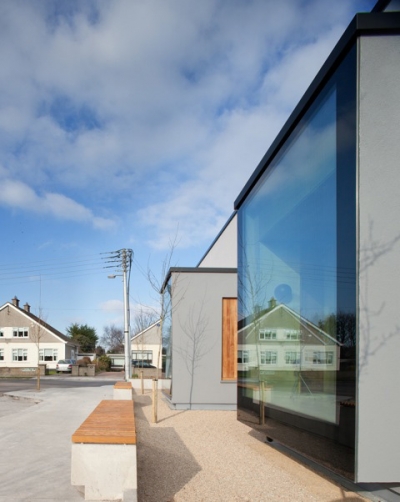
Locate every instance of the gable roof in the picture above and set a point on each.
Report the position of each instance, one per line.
(37, 320)
(141, 333)
(306, 326)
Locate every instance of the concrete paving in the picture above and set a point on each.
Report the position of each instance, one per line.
(187, 456)
(35, 441)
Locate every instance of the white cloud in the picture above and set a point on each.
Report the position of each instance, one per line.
(18, 195)
(164, 108)
(112, 306)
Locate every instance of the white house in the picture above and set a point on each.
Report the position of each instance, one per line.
(145, 346)
(26, 340)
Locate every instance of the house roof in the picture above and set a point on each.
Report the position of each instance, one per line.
(37, 320)
(145, 330)
(196, 270)
(307, 326)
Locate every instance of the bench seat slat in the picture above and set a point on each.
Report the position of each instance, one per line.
(111, 422)
(123, 385)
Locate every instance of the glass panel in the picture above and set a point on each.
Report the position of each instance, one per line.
(167, 330)
(296, 271)
(291, 255)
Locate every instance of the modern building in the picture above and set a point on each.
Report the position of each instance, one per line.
(318, 233)
(200, 327)
(27, 340)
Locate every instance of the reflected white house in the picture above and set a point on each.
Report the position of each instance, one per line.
(282, 340)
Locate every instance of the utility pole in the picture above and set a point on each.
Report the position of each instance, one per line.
(123, 261)
(128, 355)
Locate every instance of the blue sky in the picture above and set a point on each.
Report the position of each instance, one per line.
(125, 124)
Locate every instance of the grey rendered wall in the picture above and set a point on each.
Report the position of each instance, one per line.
(378, 403)
(197, 322)
(224, 251)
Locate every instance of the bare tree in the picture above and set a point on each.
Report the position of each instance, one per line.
(113, 339)
(196, 344)
(163, 294)
(143, 319)
(36, 334)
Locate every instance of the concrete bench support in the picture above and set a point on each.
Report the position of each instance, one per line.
(123, 390)
(103, 460)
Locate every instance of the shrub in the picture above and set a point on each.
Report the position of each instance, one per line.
(103, 363)
(84, 361)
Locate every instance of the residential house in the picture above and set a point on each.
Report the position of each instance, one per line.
(26, 340)
(145, 346)
(292, 358)
(318, 231)
(200, 328)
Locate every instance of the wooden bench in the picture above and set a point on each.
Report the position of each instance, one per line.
(123, 390)
(103, 460)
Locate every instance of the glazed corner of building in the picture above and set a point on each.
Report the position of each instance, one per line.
(376, 39)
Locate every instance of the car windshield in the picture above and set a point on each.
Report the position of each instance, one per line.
(62, 361)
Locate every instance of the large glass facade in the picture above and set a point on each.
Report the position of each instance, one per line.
(297, 276)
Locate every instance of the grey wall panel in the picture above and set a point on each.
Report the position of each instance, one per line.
(197, 340)
(378, 403)
(223, 253)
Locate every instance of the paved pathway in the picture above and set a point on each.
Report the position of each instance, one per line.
(187, 456)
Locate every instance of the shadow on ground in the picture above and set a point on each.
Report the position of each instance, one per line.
(165, 465)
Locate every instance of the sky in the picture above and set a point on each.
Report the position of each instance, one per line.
(134, 124)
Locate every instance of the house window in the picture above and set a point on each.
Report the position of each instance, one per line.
(20, 332)
(1, 334)
(243, 356)
(292, 334)
(48, 355)
(292, 357)
(267, 334)
(20, 354)
(142, 355)
(320, 357)
(1, 354)
(268, 357)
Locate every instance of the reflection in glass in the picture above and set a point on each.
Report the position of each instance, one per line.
(296, 271)
(291, 253)
(166, 330)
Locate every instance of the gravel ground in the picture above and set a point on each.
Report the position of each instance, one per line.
(209, 456)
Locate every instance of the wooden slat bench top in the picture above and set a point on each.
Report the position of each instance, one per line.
(123, 385)
(111, 422)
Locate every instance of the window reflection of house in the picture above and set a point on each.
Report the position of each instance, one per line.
(286, 347)
(317, 227)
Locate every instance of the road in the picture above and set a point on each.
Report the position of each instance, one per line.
(64, 381)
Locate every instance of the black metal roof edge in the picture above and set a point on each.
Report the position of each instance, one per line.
(380, 5)
(218, 236)
(196, 270)
(362, 24)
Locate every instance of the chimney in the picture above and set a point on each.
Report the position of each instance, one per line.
(27, 307)
(15, 302)
(272, 303)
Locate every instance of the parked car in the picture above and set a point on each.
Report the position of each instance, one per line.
(142, 364)
(65, 365)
